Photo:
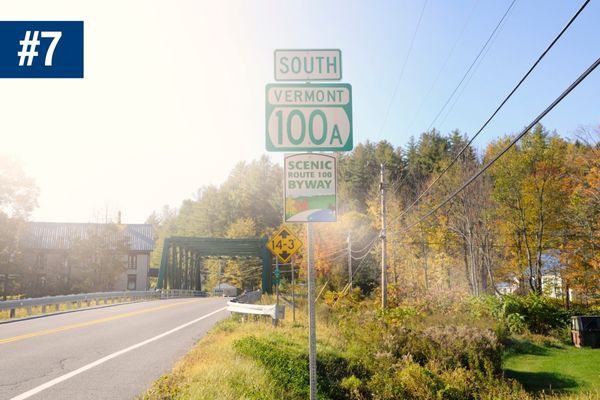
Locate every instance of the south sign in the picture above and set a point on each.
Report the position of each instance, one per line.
(308, 65)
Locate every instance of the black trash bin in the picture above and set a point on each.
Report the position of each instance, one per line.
(585, 331)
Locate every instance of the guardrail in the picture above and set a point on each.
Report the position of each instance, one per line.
(172, 293)
(74, 300)
(257, 309)
(241, 305)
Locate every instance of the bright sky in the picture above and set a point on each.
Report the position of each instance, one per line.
(174, 91)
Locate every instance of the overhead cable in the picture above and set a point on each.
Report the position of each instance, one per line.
(466, 146)
(506, 148)
(412, 42)
(473, 63)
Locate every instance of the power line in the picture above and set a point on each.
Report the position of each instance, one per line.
(462, 150)
(331, 253)
(543, 54)
(375, 237)
(412, 42)
(473, 63)
(506, 148)
(361, 257)
(468, 80)
(339, 257)
(501, 246)
(439, 74)
(358, 268)
(561, 97)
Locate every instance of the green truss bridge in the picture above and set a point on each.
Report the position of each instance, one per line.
(182, 261)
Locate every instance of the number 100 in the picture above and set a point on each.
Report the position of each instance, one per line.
(297, 136)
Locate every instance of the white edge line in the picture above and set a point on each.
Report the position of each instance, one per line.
(102, 360)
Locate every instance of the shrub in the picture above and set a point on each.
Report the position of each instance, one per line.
(484, 306)
(458, 347)
(386, 332)
(539, 314)
(398, 315)
(515, 323)
(353, 386)
(407, 379)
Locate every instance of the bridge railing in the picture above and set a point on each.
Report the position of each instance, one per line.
(74, 301)
(173, 293)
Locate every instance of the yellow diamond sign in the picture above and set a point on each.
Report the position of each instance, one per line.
(284, 244)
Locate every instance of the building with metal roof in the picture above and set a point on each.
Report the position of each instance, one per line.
(62, 236)
(48, 259)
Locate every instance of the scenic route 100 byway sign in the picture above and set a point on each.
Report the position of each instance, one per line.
(310, 188)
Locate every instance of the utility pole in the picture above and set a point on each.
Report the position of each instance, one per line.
(394, 262)
(425, 264)
(349, 262)
(383, 242)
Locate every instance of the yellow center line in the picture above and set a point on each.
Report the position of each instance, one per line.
(88, 323)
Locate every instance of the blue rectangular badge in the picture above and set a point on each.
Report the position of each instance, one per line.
(41, 49)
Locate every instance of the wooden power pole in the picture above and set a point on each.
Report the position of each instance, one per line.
(383, 242)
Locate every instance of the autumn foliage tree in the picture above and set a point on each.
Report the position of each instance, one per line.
(580, 244)
(531, 187)
(18, 198)
(539, 202)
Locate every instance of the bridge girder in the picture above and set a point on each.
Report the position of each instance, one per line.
(181, 262)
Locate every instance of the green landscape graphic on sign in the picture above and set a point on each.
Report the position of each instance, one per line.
(310, 188)
(325, 205)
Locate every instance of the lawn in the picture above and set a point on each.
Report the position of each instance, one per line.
(561, 368)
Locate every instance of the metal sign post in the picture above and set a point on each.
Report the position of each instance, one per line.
(277, 278)
(293, 294)
(307, 117)
(312, 323)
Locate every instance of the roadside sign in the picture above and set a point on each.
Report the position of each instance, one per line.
(310, 188)
(284, 244)
(308, 65)
(309, 117)
(277, 274)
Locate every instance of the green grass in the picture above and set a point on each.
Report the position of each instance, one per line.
(217, 369)
(214, 370)
(548, 368)
(253, 360)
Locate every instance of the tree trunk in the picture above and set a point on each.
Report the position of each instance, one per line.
(466, 261)
(527, 249)
(540, 235)
(472, 258)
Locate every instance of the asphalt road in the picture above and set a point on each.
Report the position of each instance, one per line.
(106, 353)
